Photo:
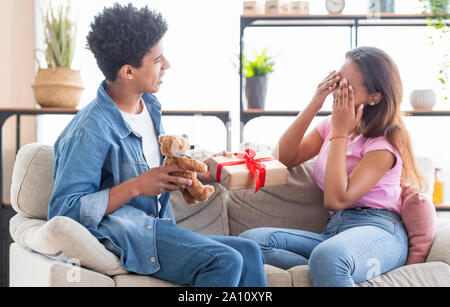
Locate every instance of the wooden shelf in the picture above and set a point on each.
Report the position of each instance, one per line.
(249, 114)
(383, 19)
(442, 206)
(343, 16)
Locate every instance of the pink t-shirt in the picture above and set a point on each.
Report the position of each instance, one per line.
(387, 192)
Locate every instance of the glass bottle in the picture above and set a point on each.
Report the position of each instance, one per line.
(438, 192)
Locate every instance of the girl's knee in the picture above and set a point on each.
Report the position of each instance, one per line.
(258, 235)
(325, 258)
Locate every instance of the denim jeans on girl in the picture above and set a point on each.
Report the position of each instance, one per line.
(356, 245)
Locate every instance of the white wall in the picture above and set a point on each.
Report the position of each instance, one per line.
(17, 67)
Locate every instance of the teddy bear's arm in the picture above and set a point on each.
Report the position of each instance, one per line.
(192, 165)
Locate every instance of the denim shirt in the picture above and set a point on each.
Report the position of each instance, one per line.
(95, 152)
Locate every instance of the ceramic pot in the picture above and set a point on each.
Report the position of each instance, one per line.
(423, 99)
(255, 91)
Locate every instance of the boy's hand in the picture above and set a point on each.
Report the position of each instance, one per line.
(158, 181)
(325, 88)
(206, 177)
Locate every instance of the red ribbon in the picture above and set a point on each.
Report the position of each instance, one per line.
(255, 167)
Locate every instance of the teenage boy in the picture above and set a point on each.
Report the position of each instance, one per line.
(108, 173)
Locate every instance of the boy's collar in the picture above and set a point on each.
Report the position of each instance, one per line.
(112, 113)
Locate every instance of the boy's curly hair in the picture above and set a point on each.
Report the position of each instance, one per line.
(122, 35)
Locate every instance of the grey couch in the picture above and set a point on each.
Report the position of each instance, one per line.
(61, 252)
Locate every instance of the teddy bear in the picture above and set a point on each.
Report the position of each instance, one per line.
(174, 149)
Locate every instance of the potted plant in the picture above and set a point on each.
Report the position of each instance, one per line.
(256, 73)
(439, 12)
(58, 85)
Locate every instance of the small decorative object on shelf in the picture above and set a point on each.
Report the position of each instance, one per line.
(438, 191)
(253, 8)
(298, 8)
(275, 7)
(58, 85)
(381, 6)
(335, 6)
(423, 99)
(256, 72)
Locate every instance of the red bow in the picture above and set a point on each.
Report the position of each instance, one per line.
(254, 166)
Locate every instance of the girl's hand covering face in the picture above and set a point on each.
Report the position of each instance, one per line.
(325, 88)
(345, 118)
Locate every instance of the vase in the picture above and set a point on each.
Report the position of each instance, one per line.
(255, 91)
(381, 6)
(423, 99)
(58, 87)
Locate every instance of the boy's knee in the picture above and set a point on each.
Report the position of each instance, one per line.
(230, 260)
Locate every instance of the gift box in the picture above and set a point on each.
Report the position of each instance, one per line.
(247, 170)
(298, 8)
(253, 8)
(275, 7)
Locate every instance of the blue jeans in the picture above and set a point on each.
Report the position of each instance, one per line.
(356, 245)
(189, 258)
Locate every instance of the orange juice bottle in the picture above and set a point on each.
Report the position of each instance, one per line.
(438, 192)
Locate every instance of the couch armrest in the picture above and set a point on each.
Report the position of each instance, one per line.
(440, 249)
(63, 235)
(30, 269)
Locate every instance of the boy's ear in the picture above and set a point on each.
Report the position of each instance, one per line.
(126, 72)
(161, 138)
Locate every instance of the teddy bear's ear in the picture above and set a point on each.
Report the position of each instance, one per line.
(161, 138)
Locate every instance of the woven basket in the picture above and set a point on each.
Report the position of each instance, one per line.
(58, 87)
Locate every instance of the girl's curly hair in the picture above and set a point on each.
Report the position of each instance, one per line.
(122, 35)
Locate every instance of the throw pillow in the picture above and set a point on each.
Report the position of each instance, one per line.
(419, 216)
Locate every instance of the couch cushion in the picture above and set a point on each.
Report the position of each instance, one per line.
(296, 205)
(32, 180)
(440, 249)
(300, 276)
(431, 274)
(63, 235)
(30, 269)
(275, 278)
(134, 280)
(210, 217)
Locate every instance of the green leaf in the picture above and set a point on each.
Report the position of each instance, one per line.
(60, 35)
(261, 65)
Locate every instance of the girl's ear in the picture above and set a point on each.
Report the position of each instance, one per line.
(375, 98)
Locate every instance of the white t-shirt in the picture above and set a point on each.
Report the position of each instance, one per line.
(142, 123)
